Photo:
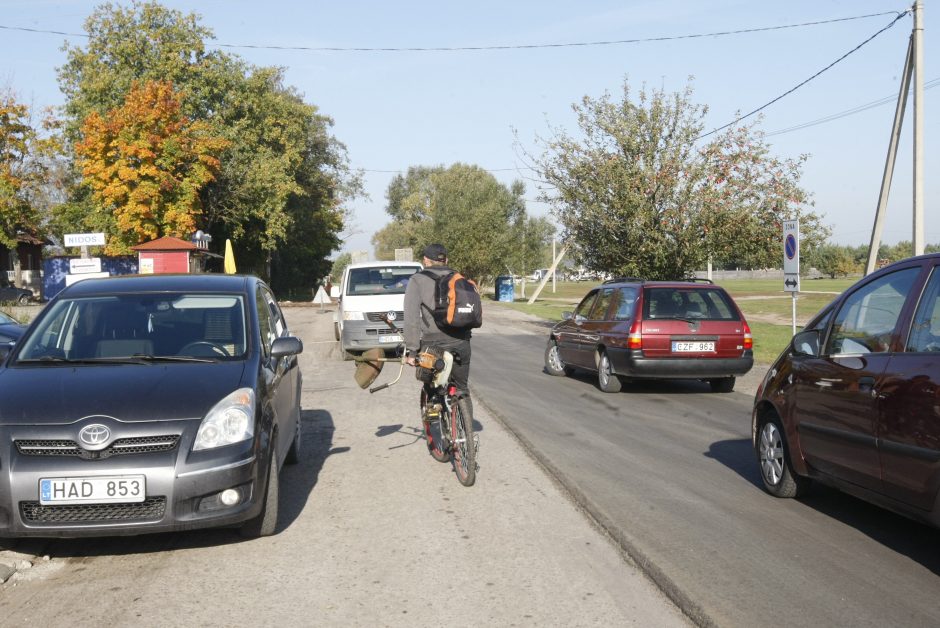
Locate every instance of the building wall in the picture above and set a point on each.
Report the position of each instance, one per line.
(168, 261)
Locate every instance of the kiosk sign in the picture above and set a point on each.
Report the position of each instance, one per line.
(84, 239)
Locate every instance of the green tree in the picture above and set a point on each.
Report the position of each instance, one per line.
(834, 260)
(637, 194)
(282, 178)
(24, 155)
(464, 208)
(339, 265)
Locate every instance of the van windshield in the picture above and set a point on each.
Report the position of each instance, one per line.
(379, 280)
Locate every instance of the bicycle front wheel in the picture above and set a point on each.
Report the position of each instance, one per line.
(432, 432)
(463, 444)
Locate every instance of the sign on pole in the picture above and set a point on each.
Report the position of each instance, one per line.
(84, 239)
(791, 255)
(791, 262)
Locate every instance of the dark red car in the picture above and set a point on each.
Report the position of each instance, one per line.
(634, 329)
(855, 400)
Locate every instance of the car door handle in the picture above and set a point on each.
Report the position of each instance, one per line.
(866, 383)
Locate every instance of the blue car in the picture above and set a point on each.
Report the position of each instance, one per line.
(149, 404)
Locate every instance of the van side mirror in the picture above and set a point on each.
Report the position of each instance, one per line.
(806, 343)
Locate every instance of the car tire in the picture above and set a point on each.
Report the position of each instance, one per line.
(606, 379)
(722, 384)
(266, 521)
(23, 299)
(336, 333)
(554, 365)
(773, 458)
(293, 454)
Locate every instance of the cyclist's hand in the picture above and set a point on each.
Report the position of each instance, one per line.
(410, 360)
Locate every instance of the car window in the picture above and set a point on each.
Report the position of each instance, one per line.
(693, 302)
(624, 300)
(379, 279)
(265, 324)
(584, 307)
(925, 330)
(601, 305)
(866, 319)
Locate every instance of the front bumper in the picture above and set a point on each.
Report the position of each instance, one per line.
(632, 363)
(362, 335)
(181, 486)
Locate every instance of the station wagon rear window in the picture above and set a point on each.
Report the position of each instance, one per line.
(696, 303)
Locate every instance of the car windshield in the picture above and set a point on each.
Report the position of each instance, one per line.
(379, 280)
(152, 326)
(694, 303)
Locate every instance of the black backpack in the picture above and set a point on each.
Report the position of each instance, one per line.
(457, 303)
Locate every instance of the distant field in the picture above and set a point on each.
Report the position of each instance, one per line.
(766, 306)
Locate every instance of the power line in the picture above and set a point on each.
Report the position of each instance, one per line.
(793, 89)
(848, 112)
(506, 46)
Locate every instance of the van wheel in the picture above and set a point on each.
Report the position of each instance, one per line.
(773, 456)
(336, 330)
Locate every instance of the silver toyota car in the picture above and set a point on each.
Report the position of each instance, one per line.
(149, 404)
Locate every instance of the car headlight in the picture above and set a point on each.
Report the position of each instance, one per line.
(232, 420)
(352, 316)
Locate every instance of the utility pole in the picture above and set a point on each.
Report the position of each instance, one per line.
(917, 41)
(913, 68)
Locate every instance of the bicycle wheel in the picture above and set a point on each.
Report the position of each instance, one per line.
(464, 444)
(432, 432)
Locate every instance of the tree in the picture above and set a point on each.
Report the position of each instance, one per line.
(146, 165)
(635, 195)
(23, 160)
(463, 207)
(339, 265)
(834, 260)
(282, 180)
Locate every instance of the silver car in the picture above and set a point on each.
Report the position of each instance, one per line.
(149, 404)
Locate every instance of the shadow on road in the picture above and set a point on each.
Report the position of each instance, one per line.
(910, 538)
(297, 483)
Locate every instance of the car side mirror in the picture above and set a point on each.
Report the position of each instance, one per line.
(287, 345)
(566, 316)
(806, 343)
(5, 349)
(578, 319)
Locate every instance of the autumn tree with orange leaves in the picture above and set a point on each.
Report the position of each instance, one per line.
(146, 163)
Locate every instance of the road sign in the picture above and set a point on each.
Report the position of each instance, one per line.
(78, 266)
(791, 255)
(84, 239)
(791, 283)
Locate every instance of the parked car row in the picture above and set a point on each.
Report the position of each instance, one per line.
(149, 403)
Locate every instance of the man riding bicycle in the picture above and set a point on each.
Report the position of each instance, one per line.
(422, 331)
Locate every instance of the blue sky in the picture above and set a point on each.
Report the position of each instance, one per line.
(393, 110)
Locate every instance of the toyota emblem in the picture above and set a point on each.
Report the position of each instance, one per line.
(94, 435)
(391, 315)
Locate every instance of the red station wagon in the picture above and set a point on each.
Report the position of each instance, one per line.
(855, 400)
(634, 329)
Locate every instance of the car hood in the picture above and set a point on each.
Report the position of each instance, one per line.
(126, 392)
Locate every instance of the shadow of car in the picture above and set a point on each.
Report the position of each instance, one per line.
(149, 404)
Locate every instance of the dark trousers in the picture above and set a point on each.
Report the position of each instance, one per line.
(460, 373)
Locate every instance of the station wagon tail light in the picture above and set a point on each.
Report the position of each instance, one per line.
(229, 421)
(635, 338)
(748, 339)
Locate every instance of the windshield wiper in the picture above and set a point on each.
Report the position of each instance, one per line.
(171, 358)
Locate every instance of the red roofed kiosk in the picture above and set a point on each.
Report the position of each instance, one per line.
(165, 255)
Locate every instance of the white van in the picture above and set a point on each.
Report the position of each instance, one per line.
(369, 292)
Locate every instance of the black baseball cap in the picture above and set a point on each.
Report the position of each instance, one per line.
(435, 252)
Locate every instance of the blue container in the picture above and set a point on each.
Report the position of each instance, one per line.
(505, 291)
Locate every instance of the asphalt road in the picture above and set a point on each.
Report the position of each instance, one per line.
(669, 471)
(372, 532)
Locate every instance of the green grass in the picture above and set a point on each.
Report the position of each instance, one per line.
(770, 316)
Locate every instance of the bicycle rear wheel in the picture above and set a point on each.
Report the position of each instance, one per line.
(463, 444)
(432, 432)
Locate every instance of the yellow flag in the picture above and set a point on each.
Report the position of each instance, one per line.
(229, 258)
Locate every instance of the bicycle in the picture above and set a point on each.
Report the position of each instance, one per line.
(448, 427)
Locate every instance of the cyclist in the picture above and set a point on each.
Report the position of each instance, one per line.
(422, 331)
